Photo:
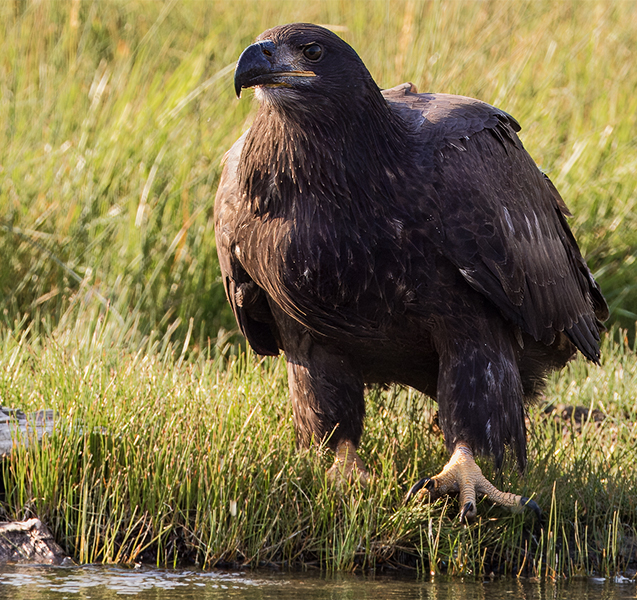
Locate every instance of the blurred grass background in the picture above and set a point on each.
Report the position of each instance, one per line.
(114, 117)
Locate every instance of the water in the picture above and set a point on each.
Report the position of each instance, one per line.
(101, 583)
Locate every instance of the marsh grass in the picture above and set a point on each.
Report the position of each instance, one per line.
(166, 460)
(171, 444)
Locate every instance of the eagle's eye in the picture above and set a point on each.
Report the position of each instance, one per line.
(313, 51)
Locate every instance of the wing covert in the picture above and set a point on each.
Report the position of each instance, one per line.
(504, 223)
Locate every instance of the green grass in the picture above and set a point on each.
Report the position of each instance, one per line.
(114, 117)
(162, 459)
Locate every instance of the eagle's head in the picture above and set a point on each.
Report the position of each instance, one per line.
(301, 63)
(323, 127)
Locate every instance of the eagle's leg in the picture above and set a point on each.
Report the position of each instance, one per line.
(327, 394)
(481, 402)
(462, 475)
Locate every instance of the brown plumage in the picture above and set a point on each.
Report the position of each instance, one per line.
(396, 237)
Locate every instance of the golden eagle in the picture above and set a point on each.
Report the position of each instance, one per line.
(379, 236)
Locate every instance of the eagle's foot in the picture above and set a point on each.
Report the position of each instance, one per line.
(461, 475)
(347, 467)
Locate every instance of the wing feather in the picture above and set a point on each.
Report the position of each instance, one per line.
(504, 221)
(248, 301)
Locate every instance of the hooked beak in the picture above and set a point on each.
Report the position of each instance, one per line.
(258, 65)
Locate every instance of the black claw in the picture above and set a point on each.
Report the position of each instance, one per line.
(416, 488)
(532, 504)
(467, 513)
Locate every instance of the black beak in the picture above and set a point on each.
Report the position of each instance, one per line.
(259, 65)
(255, 66)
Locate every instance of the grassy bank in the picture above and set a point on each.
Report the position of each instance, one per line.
(114, 117)
(161, 459)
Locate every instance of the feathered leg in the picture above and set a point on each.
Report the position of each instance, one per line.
(481, 403)
(329, 406)
(327, 395)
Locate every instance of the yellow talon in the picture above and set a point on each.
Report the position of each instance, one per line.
(348, 466)
(461, 475)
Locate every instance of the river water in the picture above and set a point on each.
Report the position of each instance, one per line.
(100, 583)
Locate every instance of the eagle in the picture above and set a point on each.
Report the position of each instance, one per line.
(387, 236)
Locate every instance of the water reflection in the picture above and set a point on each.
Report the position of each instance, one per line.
(100, 583)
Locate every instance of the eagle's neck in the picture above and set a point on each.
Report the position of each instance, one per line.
(296, 160)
